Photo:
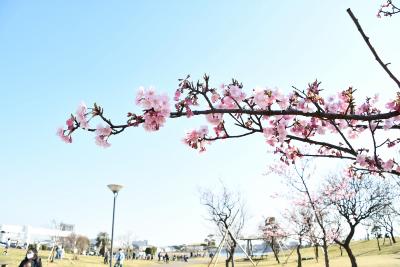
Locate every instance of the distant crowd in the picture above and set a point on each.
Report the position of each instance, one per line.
(165, 257)
(121, 256)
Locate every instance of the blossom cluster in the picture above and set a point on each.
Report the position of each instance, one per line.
(196, 138)
(80, 119)
(156, 108)
(272, 230)
(102, 135)
(387, 9)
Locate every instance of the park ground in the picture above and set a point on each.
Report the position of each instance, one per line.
(366, 252)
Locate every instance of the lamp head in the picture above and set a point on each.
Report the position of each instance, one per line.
(115, 188)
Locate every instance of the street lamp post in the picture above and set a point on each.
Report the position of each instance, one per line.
(115, 188)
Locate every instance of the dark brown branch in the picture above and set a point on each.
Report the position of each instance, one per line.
(320, 115)
(310, 141)
(230, 136)
(366, 39)
(327, 156)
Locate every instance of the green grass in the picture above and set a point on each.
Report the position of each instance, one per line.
(366, 252)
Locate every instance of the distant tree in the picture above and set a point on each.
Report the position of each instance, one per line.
(82, 243)
(148, 251)
(226, 211)
(356, 200)
(301, 223)
(102, 241)
(273, 233)
(306, 197)
(126, 241)
(210, 241)
(178, 247)
(376, 231)
(69, 242)
(386, 219)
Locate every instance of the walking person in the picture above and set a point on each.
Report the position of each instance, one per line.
(106, 256)
(120, 257)
(8, 244)
(166, 258)
(31, 258)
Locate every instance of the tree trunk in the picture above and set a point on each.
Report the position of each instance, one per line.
(230, 257)
(275, 254)
(316, 252)
(325, 248)
(341, 250)
(298, 255)
(351, 255)
(274, 250)
(392, 236)
(379, 246)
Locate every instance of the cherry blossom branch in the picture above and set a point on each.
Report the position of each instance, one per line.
(366, 39)
(388, 9)
(285, 120)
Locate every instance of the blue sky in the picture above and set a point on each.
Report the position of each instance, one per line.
(54, 54)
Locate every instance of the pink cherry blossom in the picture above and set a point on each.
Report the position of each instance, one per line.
(215, 97)
(214, 118)
(66, 138)
(393, 105)
(233, 95)
(388, 124)
(263, 98)
(156, 108)
(220, 130)
(195, 138)
(177, 95)
(81, 116)
(388, 165)
(70, 123)
(361, 159)
(102, 135)
(189, 112)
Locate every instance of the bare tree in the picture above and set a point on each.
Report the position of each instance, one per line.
(82, 243)
(69, 242)
(386, 219)
(300, 224)
(356, 200)
(126, 241)
(307, 198)
(226, 211)
(376, 231)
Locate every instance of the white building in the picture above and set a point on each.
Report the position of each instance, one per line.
(28, 234)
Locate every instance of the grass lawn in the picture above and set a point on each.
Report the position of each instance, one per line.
(366, 252)
(15, 256)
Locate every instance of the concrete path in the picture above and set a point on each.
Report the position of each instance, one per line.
(181, 263)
